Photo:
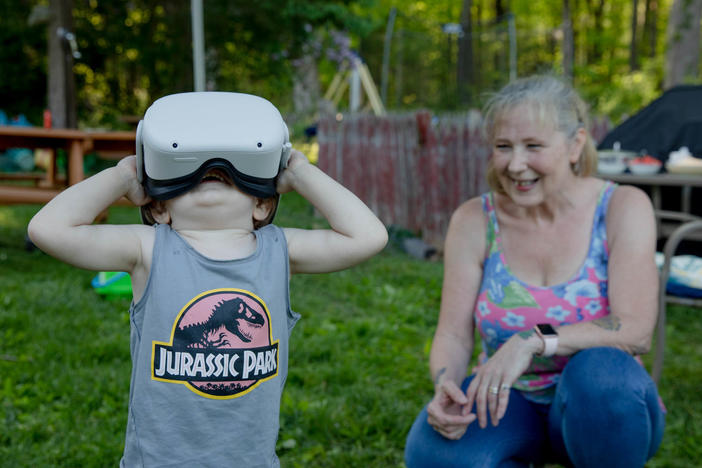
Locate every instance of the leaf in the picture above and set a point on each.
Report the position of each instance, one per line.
(516, 295)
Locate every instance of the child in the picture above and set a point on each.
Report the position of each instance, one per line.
(210, 316)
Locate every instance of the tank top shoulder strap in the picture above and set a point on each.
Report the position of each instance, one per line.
(493, 230)
(603, 204)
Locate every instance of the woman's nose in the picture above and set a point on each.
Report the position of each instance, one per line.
(518, 162)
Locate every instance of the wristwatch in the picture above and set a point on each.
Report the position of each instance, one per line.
(550, 337)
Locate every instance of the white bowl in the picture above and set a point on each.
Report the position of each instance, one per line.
(644, 169)
(611, 167)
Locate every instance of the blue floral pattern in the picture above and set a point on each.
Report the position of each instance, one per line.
(513, 306)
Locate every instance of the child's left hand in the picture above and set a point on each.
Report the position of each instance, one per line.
(286, 179)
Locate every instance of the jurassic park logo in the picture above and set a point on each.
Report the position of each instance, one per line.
(221, 345)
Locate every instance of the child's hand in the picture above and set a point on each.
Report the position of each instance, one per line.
(135, 193)
(286, 179)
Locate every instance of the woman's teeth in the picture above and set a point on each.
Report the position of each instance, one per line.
(524, 183)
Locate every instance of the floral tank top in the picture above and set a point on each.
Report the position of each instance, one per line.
(507, 305)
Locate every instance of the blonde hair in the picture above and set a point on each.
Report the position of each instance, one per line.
(551, 101)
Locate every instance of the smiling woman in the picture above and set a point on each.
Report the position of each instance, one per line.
(554, 269)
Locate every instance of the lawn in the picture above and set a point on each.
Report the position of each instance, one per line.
(358, 360)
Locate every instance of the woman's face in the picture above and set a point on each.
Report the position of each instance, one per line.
(532, 159)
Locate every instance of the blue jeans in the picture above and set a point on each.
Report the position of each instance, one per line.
(605, 413)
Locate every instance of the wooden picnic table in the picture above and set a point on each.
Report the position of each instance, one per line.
(77, 143)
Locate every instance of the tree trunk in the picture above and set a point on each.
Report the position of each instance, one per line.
(61, 83)
(465, 69)
(568, 48)
(306, 92)
(650, 28)
(499, 9)
(682, 42)
(595, 51)
(633, 57)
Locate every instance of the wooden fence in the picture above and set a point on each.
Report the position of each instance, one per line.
(412, 170)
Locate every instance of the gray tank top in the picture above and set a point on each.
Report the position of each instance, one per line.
(209, 346)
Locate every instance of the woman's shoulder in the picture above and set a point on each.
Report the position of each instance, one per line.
(471, 209)
(630, 211)
(626, 199)
(468, 226)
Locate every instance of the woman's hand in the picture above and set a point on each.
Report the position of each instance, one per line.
(449, 412)
(135, 192)
(490, 388)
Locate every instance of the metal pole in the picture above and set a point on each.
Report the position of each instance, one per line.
(512, 47)
(198, 45)
(386, 56)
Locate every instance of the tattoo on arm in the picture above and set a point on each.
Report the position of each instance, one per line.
(526, 334)
(439, 374)
(609, 322)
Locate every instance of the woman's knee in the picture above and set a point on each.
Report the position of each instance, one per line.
(609, 372)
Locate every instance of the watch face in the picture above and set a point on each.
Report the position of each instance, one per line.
(546, 329)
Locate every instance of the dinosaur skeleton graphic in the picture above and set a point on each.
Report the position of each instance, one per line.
(233, 314)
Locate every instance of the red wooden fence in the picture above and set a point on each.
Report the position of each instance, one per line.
(412, 170)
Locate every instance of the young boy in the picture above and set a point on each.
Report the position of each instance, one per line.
(210, 316)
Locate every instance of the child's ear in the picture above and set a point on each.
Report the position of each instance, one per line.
(159, 212)
(263, 209)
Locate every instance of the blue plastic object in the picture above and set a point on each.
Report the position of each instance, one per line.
(112, 283)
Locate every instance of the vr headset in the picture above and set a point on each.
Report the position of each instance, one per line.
(182, 136)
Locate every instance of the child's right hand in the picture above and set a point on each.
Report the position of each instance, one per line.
(135, 193)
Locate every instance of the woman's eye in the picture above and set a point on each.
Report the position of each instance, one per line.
(533, 146)
(502, 146)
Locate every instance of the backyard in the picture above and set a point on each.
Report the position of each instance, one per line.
(358, 360)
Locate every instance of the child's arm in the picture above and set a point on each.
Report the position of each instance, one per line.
(355, 235)
(63, 228)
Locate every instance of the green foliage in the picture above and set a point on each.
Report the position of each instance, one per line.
(134, 52)
(358, 360)
(22, 61)
(628, 92)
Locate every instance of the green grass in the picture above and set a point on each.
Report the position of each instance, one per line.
(358, 360)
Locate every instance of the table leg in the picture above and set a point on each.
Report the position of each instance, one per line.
(685, 198)
(75, 162)
(656, 199)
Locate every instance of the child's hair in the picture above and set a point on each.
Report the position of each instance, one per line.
(551, 101)
(148, 218)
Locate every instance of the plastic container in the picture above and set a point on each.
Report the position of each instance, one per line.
(112, 283)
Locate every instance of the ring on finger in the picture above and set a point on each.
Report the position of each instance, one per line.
(504, 387)
(494, 390)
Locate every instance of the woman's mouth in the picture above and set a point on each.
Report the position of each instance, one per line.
(524, 184)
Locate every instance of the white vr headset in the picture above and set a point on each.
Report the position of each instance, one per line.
(182, 136)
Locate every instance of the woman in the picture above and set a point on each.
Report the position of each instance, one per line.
(555, 270)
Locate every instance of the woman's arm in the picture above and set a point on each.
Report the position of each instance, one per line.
(633, 281)
(356, 233)
(452, 348)
(63, 227)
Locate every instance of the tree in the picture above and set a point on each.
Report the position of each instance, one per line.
(61, 46)
(633, 44)
(568, 41)
(650, 27)
(465, 74)
(682, 42)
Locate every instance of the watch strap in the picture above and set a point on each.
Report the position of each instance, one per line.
(550, 343)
